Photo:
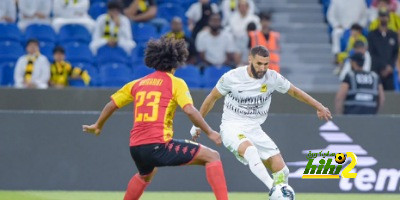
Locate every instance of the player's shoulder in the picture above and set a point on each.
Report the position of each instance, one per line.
(272, 74)
(238, 73)
(176, 81)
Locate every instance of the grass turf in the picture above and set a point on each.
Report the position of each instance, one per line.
(95, 195)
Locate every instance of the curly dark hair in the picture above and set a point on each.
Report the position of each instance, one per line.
(165, 54)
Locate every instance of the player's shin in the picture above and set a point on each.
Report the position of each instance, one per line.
(281, 176)
(216, 179)
(135, 188)
(257, 167)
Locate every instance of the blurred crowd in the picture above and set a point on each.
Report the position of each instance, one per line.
(369, 27)
(57, 34)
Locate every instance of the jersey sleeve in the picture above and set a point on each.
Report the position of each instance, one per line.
(282, 84)
(181, 93)
(346, 79)
(224, 85)
(123, 96)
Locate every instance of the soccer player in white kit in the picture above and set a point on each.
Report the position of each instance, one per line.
(247, 92)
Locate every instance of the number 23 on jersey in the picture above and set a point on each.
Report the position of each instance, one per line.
(147, 99)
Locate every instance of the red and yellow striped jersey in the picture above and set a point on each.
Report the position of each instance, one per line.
(155, 98)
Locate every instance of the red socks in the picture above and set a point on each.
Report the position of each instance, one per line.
(135, 188)
(216, 179)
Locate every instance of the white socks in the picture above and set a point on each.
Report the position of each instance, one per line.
(257, 166)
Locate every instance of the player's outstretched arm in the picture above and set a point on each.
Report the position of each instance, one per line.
(209, 102)
(322, 111)
(195, 116)
(95, 128)
(205, 108)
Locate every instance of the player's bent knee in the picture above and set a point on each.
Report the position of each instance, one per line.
(212, 155)
(215, 155)
(149, 177)
(243, 147)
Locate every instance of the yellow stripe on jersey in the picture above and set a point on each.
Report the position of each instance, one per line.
(169, 121)
(180, 96)
(180, 91)
(123, 96)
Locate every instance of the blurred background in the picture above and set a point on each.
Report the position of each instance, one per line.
(60, 60)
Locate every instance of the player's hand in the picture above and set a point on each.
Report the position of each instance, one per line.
(215, 137)
(324, 113)
(195, 132)
(93, 129)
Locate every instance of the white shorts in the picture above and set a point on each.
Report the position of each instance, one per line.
(233, 134)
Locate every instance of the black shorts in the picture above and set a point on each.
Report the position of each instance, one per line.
(173, 153)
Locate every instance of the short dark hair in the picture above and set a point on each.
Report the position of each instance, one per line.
(251, 26)
(32, 40)
(58, 49)
(358, 58)
(114, 5)
(259, 50)
(357, 27)
(165, 54)
(358, 44)
(214, 15)
(265, 16)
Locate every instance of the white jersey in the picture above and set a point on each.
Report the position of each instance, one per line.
(248, 99)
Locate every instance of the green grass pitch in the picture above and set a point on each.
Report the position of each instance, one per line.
(94, 195)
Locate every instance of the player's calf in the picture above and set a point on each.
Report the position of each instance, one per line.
(250, 153)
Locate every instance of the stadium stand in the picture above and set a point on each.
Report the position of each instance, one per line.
(142, 32)
(10, 32)
(97, 8)
(140, 71)
(114, 75)
(41, 32)
(191, 75)
(74, 33)
(306, 60)
(107, 54)
(212, 75)
(10, 51)
(77, 52)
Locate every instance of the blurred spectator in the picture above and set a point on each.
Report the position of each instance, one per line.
(113, 29)
(229, 7)
(141, 10)
(391, 5)
(8, 11)
(62, 71)
(71, 12)
(341, 15)
(267, 38)
(238, 25)
(178, 33)
(356, 34)
(360, 92)
(33, 12)
(358, 47)
(393, 20)
(198, 15)
(384, 47)
(32, 70)
(215, 46)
